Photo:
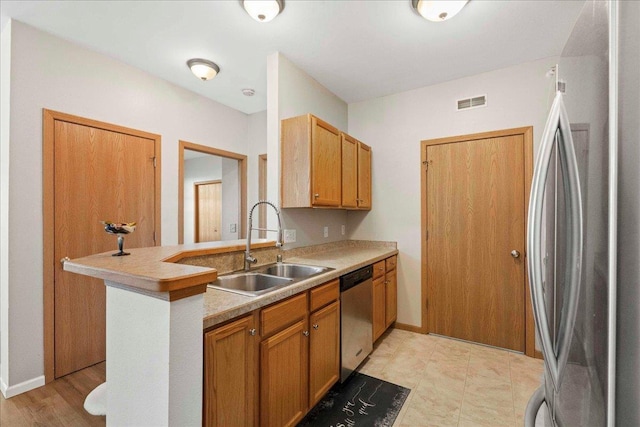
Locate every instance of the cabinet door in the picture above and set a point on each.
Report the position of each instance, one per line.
(324, 351)
(284, 371)
(379, 297)
(364, 176)
(230, 388)
(349, 171)
(326, 152)
(391, 294)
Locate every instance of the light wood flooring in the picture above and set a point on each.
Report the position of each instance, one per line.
(59, 403)
(452, 383)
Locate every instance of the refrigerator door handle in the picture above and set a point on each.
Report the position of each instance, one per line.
(573, 202)
(534, 235)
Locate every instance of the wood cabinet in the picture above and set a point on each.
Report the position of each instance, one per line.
(391, 291)
(324, 351)
(299, 354)
(230, 374)
(356, 173)
(385, 295)
(283, 376)
(309, 159)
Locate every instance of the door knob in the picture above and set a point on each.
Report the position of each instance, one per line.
(515, 254)
(315, 327)
(252, 332)
(305, 333)
(65, 259)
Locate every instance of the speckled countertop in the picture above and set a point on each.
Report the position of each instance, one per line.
(344, 257)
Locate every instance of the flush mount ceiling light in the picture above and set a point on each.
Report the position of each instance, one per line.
(203, 69)
(263, 10)
(438, 10)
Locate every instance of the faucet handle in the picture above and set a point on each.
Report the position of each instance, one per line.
(279, 258)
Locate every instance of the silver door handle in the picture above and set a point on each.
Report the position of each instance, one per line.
(515, 254)
(65, 259)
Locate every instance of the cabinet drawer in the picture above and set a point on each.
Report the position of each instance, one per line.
(282, 314)
(391, 262)
(378, 269)
(324, 294)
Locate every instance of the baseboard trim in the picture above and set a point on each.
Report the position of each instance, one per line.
(410, 328)
(23, 387)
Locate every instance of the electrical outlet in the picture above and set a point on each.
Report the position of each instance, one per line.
(343, 229)
(233, 228)
(326, 231)
(289, 236)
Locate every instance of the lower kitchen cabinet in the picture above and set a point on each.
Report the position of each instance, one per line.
(296, 362)
(385, 295)
(324, 351)
(230, 374)
(379, 303)
(391, 292)
(283, 376)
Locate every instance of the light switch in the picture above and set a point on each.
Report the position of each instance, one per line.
(326, 231)
(289, 236)
(233, 228)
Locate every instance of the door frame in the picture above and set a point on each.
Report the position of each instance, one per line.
(196, 221)
(49, 118)
(242, 179)
(527, 134)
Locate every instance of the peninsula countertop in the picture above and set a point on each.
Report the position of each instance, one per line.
(220, 306)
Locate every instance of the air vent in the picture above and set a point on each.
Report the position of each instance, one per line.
(475, 102)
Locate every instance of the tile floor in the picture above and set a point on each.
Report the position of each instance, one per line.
(454, 383)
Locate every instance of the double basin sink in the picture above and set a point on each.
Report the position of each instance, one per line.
(266, 278)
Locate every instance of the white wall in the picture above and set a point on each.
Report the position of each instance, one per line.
(48, 72)
(292, 92)
(257, 145)
(230, 198)
(5, 89)
(205, 168)
(394, 126)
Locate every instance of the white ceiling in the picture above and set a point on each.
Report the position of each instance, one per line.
(357, 49)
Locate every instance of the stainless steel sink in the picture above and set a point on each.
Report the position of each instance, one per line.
(266, 278)
(293, 271)
(249, 283)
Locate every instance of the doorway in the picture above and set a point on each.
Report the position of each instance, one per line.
(197, 163)
(475, 192)
(92, 172)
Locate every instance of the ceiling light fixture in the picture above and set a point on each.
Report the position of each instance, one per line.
(203, 68)
(438, 10)
(263, 10)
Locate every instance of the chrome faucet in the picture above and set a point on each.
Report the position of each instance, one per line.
(248, 258)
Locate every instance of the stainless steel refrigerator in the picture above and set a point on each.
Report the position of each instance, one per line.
(584, 214)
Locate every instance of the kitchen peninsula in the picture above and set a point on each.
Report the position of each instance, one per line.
(158, 306)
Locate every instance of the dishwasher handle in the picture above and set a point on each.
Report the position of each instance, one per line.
(354, 278)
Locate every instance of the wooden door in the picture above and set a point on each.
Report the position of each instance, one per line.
(391, 297)
(208, 197)
(99, 175)
(325, 164)
(349, 171)
(364, 176)
(475, 218)
(379, 318)
(284, 372)
(230, 375)
(324, 351)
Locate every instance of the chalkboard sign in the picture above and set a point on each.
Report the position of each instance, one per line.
(360, 401)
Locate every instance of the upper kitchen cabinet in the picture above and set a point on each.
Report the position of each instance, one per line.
(356, 173)
(310, 161)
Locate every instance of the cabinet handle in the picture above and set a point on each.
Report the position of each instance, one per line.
(315, 327)
(316, 195)
(65, 259)
(386, 282)
(252, 331)
(305, 333)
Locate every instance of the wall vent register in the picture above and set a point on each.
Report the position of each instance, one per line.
(474, 102)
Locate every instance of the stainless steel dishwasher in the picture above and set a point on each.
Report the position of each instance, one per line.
(357, 319)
